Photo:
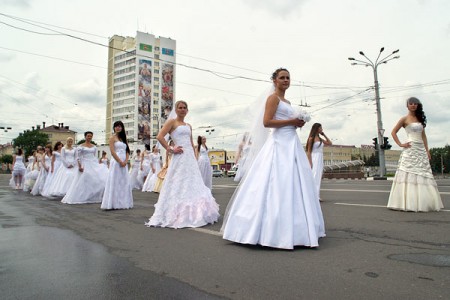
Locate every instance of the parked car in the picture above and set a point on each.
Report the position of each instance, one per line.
(232, 172)
(217, 173)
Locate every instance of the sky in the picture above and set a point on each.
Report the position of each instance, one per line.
(226, 51)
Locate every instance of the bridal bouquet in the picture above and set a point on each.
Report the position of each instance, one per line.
(302, 114)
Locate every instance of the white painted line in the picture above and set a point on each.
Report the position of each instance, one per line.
(367, 205)
(224, 185)
(358, 191)
(373, 205)
(368, 191)
(207, 231)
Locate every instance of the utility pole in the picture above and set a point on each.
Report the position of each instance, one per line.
(380, 130)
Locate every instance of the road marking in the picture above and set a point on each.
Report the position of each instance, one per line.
(373, 205)
(224, 185)
(207, 231)
(359, 191)
(367, 205)
(368, 191)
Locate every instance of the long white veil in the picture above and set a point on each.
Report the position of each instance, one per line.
(257, 136)
(257, 133)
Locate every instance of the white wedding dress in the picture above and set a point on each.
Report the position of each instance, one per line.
(184, 200)
(205, 166)
(317, 164)
(149, 183)
(414, 187)
(65, 174)
(88, 186)
(118, 193)
(276, 203)
(134, 180)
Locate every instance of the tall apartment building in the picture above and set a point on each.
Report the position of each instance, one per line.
(141, 85)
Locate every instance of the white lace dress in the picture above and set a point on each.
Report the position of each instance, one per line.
(317, 164)
(31, 174)
(118, 193)
(44, 166)
(414, 187)
(149, 183)
(87, 186)
(205, 166)
(19, 170)
(184, 200)
(142, 174)
(65, 175)
(134, 180)
(276, 203)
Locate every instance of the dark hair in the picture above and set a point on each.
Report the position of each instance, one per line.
(199, 143)
(88, 132)
(312, 136)
(420, 114)
(49, 147)
(138, 150)
(55, 148)
(275, 74)
(104, 152)
(147, 147)
(122, 135)
(19, 151)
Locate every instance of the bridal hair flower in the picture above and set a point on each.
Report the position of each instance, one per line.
(302, 114)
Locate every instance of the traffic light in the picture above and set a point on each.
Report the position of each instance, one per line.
(386, 144)
(375, 143)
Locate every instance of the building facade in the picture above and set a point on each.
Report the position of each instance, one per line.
(58, 133)
(140, 85)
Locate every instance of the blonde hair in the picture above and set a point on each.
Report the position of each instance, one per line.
(181, 101)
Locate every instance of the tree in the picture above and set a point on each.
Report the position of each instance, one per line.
(6, 159)
(440, 157)
(29, 140)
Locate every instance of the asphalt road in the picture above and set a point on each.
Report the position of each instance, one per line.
(49, 250)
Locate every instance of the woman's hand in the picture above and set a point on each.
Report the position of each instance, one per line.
(81, 169)
(177, 149)
(123, 164)
(406, 145)
(298, 123)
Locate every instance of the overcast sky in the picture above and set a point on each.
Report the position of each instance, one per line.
(55, 78)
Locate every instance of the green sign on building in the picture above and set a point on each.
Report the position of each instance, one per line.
(145, 47)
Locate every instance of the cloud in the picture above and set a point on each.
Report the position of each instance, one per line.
(16, 3)
(87, 92)
(6, 57)
(280, 8)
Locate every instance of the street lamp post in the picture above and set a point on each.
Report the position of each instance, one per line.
(380, 131)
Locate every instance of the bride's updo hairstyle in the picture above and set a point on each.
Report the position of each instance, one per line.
(420, 114)
(181, 101)
(275, 74)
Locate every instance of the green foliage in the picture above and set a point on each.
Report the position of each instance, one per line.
(372, 161)
(6, 159)
(29, 141)
(440, 157)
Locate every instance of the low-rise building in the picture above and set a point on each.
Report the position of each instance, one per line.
(58, 133)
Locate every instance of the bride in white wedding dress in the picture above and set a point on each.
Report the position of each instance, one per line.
(276, 203)
(184, 200)
(414, 187)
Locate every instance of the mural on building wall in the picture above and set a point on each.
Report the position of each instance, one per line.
(144, 100)
(166, 91)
